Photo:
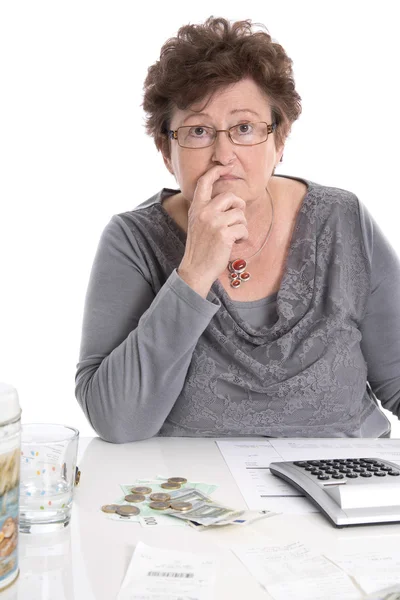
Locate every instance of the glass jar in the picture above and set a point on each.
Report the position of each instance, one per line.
(10, 459)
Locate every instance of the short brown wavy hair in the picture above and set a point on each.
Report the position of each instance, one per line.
(203, 58)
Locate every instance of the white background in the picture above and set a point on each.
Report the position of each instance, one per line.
(73, 150)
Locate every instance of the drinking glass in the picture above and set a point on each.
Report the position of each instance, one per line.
(48, 476)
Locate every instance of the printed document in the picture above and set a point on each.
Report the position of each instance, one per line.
(249, 460)
(372, 570)
(295, 572)
(159, 574)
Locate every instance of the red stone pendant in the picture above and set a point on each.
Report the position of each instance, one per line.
(238, 272)
(239, 265)
(235, 283)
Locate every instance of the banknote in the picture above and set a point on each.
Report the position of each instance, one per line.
(186, 494)
(246, 518)
(206, 512)
(206, 488)
(151, 518)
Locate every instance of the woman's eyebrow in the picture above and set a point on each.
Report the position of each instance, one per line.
(234, 111)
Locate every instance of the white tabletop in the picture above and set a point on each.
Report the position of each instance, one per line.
(89, 559)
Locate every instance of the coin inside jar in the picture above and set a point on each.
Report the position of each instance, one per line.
(127, 511)
(182, 506)
(180, 480)
(141, 489)
(135, 498)
(159, 505)
(160, 497)
(169, 485)
(110, 508)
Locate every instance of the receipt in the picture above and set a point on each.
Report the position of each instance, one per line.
(159, 574)
(372, 570)
(389, 593)
(294, 572)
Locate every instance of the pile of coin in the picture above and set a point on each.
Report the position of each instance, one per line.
(163, 501)
(159, 501)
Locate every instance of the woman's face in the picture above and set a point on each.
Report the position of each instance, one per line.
(252, 165)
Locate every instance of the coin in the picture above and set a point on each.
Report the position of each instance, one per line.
(140, 489)
(159, 505)
(160, 497)
(169, 485)
(110, 508)
(135, 498)
(180, 480)
(182, 506)
(126, 511)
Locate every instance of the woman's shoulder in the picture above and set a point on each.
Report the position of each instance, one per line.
(157, 199)
(331, 202)
(147, 212)
(308, 192)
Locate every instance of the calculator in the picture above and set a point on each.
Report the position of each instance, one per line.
(348, 491)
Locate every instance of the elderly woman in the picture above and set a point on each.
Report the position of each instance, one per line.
(242, 303)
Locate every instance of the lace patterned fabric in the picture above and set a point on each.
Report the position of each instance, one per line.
(303, 376)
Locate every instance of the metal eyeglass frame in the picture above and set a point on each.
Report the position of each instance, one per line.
(173, 134)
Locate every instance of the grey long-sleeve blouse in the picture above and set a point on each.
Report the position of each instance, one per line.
(157, 358)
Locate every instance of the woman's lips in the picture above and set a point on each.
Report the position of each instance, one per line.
(228, 177)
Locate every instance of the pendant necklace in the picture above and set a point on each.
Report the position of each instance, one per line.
(238, 267)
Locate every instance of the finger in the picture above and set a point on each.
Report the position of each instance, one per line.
(232, 217)
(205, 183)
(239, 232)
(225, 201)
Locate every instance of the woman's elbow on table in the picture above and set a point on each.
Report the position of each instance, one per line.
(123, 437)
(116, 432)
(109, 423)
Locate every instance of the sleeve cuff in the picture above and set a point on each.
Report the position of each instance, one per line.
(208, 308)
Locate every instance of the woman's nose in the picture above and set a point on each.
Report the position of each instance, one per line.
(223, 148)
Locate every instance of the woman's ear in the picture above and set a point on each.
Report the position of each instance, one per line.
(166, 154)
(168, 164)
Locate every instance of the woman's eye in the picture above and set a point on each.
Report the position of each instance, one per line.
(244, 128)
(197, 131)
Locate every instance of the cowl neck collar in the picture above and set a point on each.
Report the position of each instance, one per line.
(297, 285)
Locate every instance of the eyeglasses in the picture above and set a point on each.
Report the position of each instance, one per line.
(243, 134)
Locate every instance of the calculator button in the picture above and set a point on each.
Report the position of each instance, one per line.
(372, 468)
(371, 461)
(310, 468)
(330, 471)
(352, 475)
(366, 474)
(344, 470)
(338, 476)
(356, 461)
(316, 463)
(300, 463)
(393, 473)
(385, 468)
(323, 477)
(328, 462)
(380, 473)
(359, 469)
(317, 473)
